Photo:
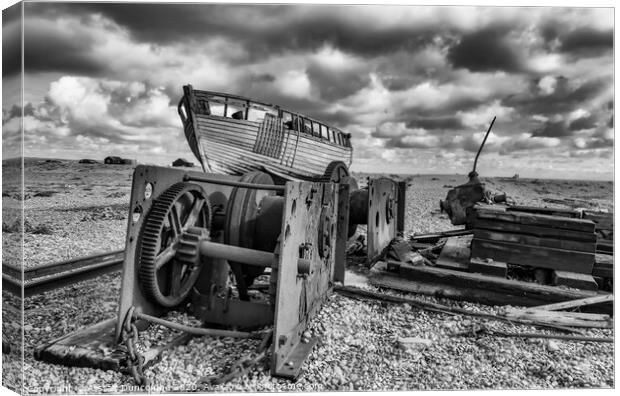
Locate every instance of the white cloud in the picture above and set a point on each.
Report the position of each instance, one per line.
(547, 85)
(294, 83)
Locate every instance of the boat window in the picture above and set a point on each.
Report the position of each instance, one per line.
(256, 115)
(307, 126)
(323, 132)
(291, 121)
(340, 142)
(235, 110)
(216, 105)
(205, 109)
(217, 109)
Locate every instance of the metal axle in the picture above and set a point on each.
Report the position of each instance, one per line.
(252, 186)
(237, 254)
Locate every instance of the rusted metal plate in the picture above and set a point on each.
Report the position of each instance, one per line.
(214, 309)
(149, 182)
(382, 216)
(342, 231)
(310, 223)
(94, 346)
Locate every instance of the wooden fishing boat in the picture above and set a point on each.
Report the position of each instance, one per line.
(234, 135)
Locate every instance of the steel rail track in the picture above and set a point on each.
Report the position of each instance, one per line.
(56, 275)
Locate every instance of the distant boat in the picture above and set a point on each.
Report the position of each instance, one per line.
(234, 135)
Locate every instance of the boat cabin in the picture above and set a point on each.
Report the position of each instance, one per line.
(240, 108)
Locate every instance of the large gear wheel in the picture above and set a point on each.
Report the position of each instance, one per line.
(335, 172)
(167, 260)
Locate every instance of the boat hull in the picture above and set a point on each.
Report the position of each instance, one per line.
(229, 146)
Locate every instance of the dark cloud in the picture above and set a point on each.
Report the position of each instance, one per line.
(340, 119)
(261, 78)
(485, 50)
(264, 29)
(565, 98)
(583, 123)
(587, 40)
(47, 48)
(444, 122)
(610, 123)
(11, 40)
(334, 84)
(552, 129)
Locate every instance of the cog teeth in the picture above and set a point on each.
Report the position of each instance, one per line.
(150, 241)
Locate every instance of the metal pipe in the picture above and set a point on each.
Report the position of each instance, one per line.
(237, 254)
(482, 145)
(198, 330)
(234, 183)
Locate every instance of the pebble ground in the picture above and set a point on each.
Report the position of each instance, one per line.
(358, 347)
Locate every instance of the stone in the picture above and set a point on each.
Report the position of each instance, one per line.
(552, 346)
(413, 344)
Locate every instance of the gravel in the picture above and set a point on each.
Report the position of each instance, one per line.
(358, 347)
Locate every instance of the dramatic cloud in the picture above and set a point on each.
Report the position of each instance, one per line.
(415, 86)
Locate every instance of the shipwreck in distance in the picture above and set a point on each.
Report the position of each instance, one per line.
(234, 135)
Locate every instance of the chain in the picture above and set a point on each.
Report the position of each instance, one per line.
(135, 361)
(242, 366)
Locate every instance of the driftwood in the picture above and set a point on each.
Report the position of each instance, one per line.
(561, 318)
(476, 331)
(366, 294)
(604, 298)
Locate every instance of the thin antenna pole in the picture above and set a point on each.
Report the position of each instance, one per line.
(482, 145)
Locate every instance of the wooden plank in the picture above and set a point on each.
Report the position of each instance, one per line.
(534, 256)
(435, 236)
(603, 261)
(459, 285)
(603, 221)
(455, 253)
(555, 243)
(572, 319)
(543, 232)
(571, 279)
(488, 267)
(603, 272)
(546, 211)
(604, 246)
(563, 223)
(580, 302)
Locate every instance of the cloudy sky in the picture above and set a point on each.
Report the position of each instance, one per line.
(416, 86)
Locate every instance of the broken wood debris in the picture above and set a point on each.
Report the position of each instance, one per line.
(435, 236)
(562, 318)
(355, 292)
(582, 302)
(536, 237)
(455, 253)
(483, 330)
(473, 287)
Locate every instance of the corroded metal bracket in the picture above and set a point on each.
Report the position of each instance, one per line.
(300, 293)
(384, 216)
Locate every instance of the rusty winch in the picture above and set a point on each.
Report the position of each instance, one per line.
(208, 243)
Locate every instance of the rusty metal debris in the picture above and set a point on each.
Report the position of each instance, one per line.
(461, 199)
(186, 232)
